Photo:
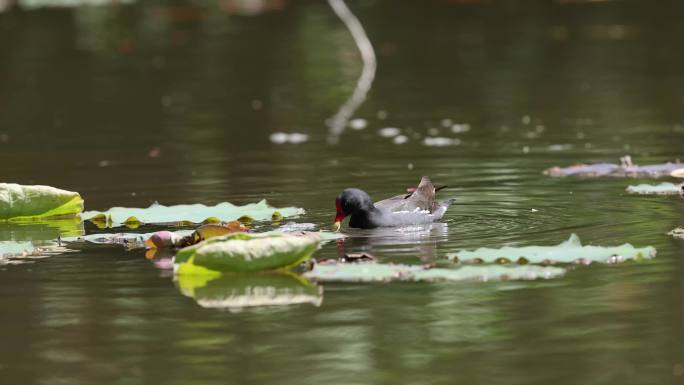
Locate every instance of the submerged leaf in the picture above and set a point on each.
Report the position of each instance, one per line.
(659, 189)
(569, 251)
(11, 251)
(25, 203)
(293, 226)
(237, 291)
(378, 272)
(243, 252)
(625, 169)
(194, 213)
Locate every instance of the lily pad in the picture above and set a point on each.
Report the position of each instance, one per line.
(659, 189)
(570, 251)
(28, 203)
(238, 291)
(190, 213)
(624, 169)
(243, 252)
(378, 272)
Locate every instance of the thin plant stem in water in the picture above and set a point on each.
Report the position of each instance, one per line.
(339, 121)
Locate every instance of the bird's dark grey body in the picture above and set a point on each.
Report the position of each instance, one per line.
(417, 207)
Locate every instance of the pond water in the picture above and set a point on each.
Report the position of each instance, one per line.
(148, 102)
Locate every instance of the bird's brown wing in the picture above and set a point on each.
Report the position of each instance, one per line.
(395, 203)
(422, 198)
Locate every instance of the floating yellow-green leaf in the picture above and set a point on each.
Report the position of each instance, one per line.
(246, 219)
(569, 251)
(243, 252)
(211, 220)
(659, 189)
(379, 272)
(101, 221)
(237, 291)
(192, 213)
(26, 203)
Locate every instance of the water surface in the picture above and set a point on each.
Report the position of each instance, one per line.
(150, 102)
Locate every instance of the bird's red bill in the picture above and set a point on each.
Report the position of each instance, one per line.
(339, 217)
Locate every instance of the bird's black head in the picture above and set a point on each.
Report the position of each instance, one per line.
(350, 201)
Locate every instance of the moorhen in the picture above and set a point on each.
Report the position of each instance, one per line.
(418, 206)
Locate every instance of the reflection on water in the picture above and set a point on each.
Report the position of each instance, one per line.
(339, 122)
(236, 292)
(151, 102)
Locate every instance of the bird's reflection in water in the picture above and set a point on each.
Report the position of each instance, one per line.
(416, 240)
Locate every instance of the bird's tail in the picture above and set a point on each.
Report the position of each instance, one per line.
(442, 208)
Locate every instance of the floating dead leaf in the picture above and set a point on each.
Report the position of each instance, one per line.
(625, 169)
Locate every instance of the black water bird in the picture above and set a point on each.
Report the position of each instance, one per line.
(417, 206)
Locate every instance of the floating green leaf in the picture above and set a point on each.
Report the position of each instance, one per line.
(378, 272)
(570, 251)
(244, 252)
(659, 189)
(27, 203)
(192, 213)
(237, 291)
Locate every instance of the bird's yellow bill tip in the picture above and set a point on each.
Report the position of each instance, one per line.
(149, 244)
(337, 225)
